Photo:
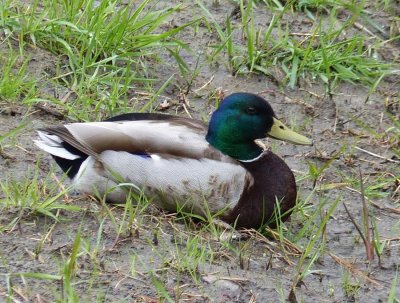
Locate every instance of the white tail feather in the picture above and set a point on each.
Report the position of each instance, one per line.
(52, 145)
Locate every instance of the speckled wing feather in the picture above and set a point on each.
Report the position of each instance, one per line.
(189, 184)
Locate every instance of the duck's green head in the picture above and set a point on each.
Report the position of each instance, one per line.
(242, 118)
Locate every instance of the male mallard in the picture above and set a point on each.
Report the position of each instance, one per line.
(182, 163)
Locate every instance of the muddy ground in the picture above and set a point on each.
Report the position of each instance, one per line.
(126, 268)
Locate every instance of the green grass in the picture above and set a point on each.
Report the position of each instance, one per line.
(323, 53)
(14, 80)
(350, 288)
(107, 46)
(33, 196)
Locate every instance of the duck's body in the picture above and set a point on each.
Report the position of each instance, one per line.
(181, 163)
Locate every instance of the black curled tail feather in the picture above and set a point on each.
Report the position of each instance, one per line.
(70, 167)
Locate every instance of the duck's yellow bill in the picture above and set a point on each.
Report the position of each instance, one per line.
(282, 132)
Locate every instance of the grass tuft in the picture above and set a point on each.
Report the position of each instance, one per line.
(33, 196)
(107, 46)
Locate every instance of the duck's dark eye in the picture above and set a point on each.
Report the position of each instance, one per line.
(251, 110)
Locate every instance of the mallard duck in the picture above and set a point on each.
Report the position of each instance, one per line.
(183, 164)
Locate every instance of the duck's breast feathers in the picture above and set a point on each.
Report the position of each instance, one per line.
(138, 134)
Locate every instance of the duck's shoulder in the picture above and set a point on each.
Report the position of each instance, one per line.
(161, 119)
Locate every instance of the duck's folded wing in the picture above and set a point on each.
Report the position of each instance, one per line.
(176, 137)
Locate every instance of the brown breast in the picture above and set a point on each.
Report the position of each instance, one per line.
(274, 181)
